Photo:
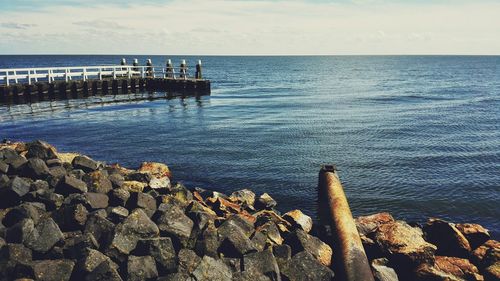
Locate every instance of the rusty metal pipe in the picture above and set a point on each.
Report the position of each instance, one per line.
(348, 244)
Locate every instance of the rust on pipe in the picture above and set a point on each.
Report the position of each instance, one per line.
(354, 262)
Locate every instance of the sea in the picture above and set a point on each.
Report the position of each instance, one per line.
(416, 136)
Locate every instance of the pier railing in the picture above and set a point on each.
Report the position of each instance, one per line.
(51, 74)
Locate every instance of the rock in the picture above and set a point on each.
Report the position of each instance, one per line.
(85, 163)
(133, 186)
(212, 269)
(141, 268)
(72, 217)
(16, 164)
(223, 207)
(48, 235)
(200, 214)
(262, 262)
(259, 241)
(404, 245)
(105, 271)
(368, 224)
(4, 168)
(119, 197)
(298, 219)
(77, 245)
(68, 185)
(382, 271)
(272, 233)
(482, 256)
(97, 200)
(448, 239)
(42, 150)
(54, 162)
(91, 260)
(304, 267)
(51, 270)
(77, 174)
(266, 216)
(282, 254)
(162, 251)
(208, 244)
(39, 184)
(117, 214)
(265, 201)
(163, 183)
(188, 261)
(249, 276)
(116, 180)
(174, 223)
(142, 200)
(135, 227)
(27, 210)
(299, 240)
(234, 234)
(97, 181)
(21, 232)
(143, 177)
(475, 233)
(448, 268)
(11, 194)
(244, 197)
(10, 256)
(157, 170)
(36, 168)
(51, 200)
(100, 228)
(492, 272)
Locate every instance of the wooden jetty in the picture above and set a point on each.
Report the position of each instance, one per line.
(30, 85)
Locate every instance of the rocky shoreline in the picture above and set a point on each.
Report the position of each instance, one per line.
(65, 216)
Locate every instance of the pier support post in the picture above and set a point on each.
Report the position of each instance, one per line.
(170, 69)
(349, 249)
(136, 63)
(198, 71)
(149, 69)
(183, 70)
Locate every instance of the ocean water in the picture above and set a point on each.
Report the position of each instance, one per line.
(417, 136)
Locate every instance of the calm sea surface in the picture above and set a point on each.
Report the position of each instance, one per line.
(416, 136)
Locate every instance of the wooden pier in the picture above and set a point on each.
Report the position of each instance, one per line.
(30, 85)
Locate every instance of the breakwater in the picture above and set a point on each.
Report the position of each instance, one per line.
(65, 216)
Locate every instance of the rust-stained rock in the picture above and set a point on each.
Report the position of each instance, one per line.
(157, 170)
(486, 254)
(223, 207)
(369, 224)
(448, 239)
(403, 244)
(244, 197)
(133, 186)
(492, 272)
(298, 219)
(475, 233)
(382, 271)
(448, 269)
(265, 216)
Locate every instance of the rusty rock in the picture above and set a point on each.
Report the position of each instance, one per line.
(448, 269)
(492, 272)
(448, 239)
(157, 170)
(475, 233)
(369, 224)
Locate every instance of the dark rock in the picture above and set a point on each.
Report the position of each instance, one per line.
(133, 186)
(486, 254)
(119, 197)
(282, 254)
(448, 239)
(16, 164)
(200, 214)
(135, 227)
(105, 271)
(174, 223)
(139, 176)
(101, 229)
(448, 268)
(382, 271)
(272, 233)
(475, 233)
(208, 243)
(31, 210)
(11, 194)
(116, 180)
(39, 184)
(404, 245)
(97, 181)
(4, 168)
(51, 270)
(492, 272)
(142, 200)
(97, 200)
(162, 250)
(72, 217)
(117, 214)
(234, 264)
(235, 240)
(175, 277)
(263, 262)
(249, 276)
(10, 256)
(41, 149)
(304, 267)
(141, 268)
(212, 269)
(299, 220)
(299, 240)
(259, 241)
(54, 162)
(85, 163)
(265, 201)
(68, 185)
(51, 200)
(91, 259)
(244, 197)
(75, 247)
(22, 232)
(4, 179)
(188, 261)
(181, 194)
(48, 235)
(8, 152)
(239, 221)
(36, 169)
(77, 174)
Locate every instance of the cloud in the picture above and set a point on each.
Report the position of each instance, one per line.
(100, 24)
(14, 25)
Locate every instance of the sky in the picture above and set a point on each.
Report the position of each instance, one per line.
(250, 27)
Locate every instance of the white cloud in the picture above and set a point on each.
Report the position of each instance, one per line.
(257, 27)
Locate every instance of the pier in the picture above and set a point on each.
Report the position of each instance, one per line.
(31, 85)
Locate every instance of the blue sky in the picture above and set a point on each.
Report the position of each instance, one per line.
(250, 27)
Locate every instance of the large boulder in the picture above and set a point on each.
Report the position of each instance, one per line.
(244, 197)
(85, 163)
(157, 170)
(448, 239)
(68, 185)
(475, 233)
(263, 262)
(41, 149)
(172, 222)
(211, 269)
(48, 235)
(448, 269)
(161, 250)
(141, 268)
(36, 168)
(369, 224)
(188, 261)
(97, 200)
(404, 245)
(133, 186)
(15, 189)
(298, 219)
(382, 271)
(50, 270)
(265, 201)
(235, 236)
(304, 267)
(10, 256)
(299, 240)
(105, 271)
(98, 181)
